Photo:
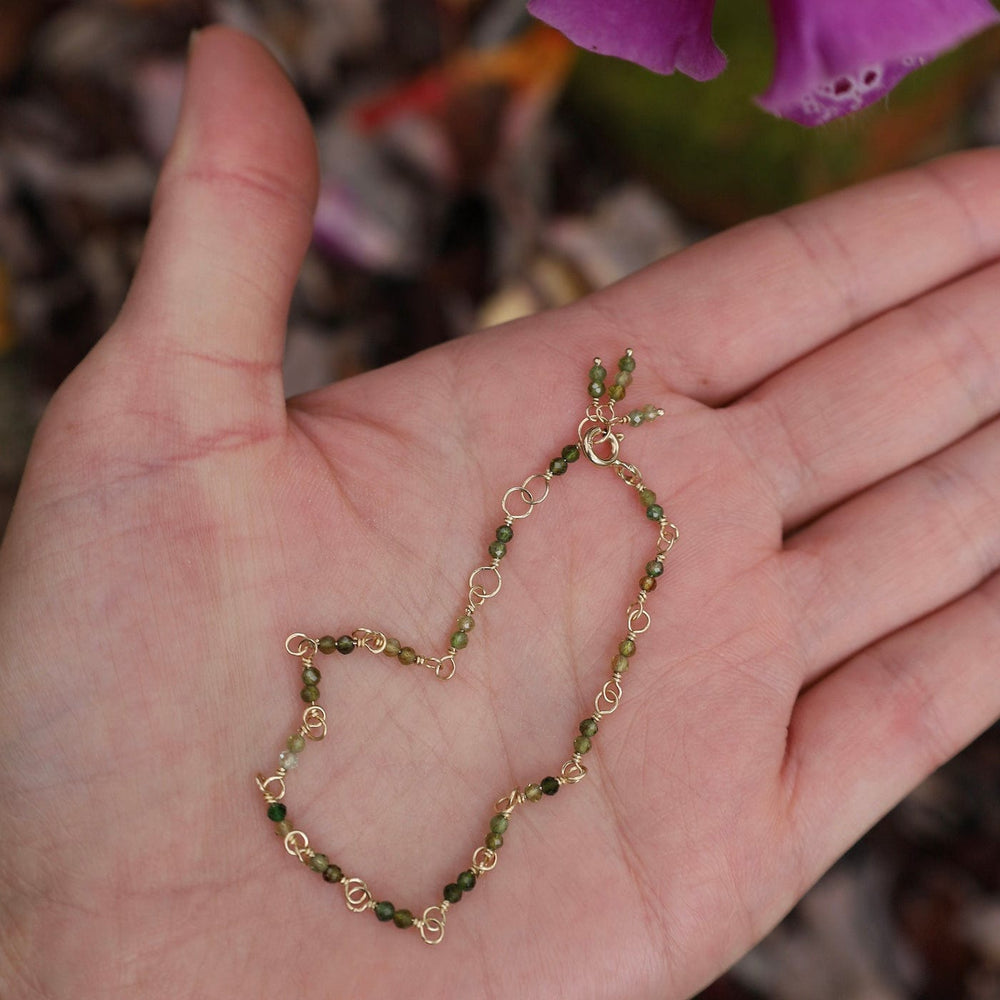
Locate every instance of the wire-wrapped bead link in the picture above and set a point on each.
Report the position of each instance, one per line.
(600, 440)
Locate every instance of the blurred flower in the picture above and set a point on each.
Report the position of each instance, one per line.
(832, 58)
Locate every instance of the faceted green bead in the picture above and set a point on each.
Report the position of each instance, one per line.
(499, 823)
(494, 841)
(616, 393)
(276, 811)
(549, 786)
(532, 792)
(327, 644)
(402, 918)
(598, 373)
(407, 655)
(588, 727)
(284, 828)
(581, 744)
(505, 533)
(647, 583)
(466, 623)
(558, 466)
(333, 873)
(311, 676)
(626, 363)
(319, 862)
(624, 379)
(466, 880)
(498, 550)
(619, 663)
(647, 496)
(650, 412)
(345, 644)
(654, 567)
(627, 647)
(571, 452)
(459, 640)
(384, 910)
(392, 647)
(635, 417)
(452, 892)
(310, 693)
(296, 743)
(596, 389)
(654, 512)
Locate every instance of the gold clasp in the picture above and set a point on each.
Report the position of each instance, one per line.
(598, 436)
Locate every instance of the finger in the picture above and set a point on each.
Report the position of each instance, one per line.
(877, 399)
(231, 218)
(861, 738)
(896, 552)
(730, 311)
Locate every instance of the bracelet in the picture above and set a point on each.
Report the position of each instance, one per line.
(598, 439)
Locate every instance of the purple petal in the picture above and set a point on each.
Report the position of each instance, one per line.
(662, 35)
(837, 57)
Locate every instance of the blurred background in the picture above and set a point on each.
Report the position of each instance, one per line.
(477, 167)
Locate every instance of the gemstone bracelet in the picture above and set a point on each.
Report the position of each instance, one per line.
(600, 442)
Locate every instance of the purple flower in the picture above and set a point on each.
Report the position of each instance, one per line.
(833, 56)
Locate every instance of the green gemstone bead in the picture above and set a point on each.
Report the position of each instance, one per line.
(626, 363)
(619, 663)
(654, 568)
(384, 910)
(327, 644)
(319, 862)
(558, 466)
(654, 512)
(635, 417)
(571, 452)
(624, 379)
(452, 892)
(549, 786)
(505, 533)
(498, 550)
(310, 693)
(333, 873)
(284, 828)
(276, 811)
(494, 841)
(627, 647)
(407, 655)
(647, 496)
(588, 727)
(345, 644)
(392, 647)
(296, 743)
(466, 880)
(650, 412)
(311, 676)
(403, 918)
(647, 583)
(532, 792)
(466, 623)
(596, 389)
(459, 640)
(616, 393)
(499, 823)
(598, 373)
(581, 744)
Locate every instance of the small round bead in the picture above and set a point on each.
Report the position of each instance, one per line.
(494, 841)
(626, 363)
(452, 892)
(277, 811)
(505, 533)
(345, 644)
(466, 623)
(616, 392)
(499, 823)
(402, 918)
(581, 744)
(392, 647)
(311, 676)
(624, 379)
(654, 512)
(333, 873)
(296, 743)
(650, 412)
(558, 466)
(654, 567)
(598, 373)
(549, 786)
(647, 496)
(310, 693)
(284, 828)
(635, 417)
(319, 862)
(619, 663)
(384, 910)
(327, 644)
(459, 639)
(407, 655)
(466, 880)
(571, 452)
(498, 550)
(627, 647)
(647, 583)
(289, 761)
(532, 792)
(588, 727)
(596, 389)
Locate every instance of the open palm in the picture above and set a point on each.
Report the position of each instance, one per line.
(820, 639)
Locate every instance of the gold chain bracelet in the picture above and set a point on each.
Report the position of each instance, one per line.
(599, 440)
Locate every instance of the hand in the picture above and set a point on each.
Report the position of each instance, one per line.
(821, 638)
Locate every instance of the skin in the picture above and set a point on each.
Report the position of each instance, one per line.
(821, 640)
